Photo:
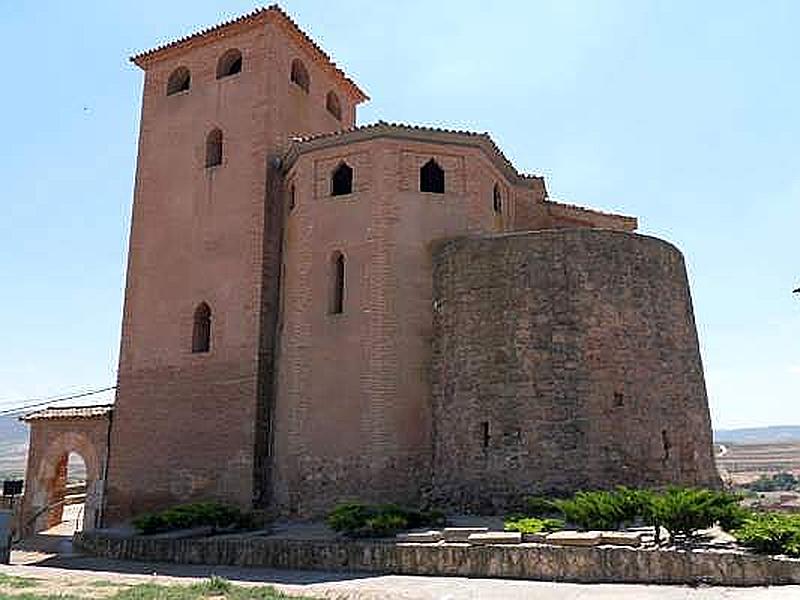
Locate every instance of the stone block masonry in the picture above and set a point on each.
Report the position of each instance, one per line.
(523, 561)
(564, 360)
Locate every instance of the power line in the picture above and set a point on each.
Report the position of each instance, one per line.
(34, 402)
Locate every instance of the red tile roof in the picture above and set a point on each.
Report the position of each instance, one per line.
(260, 15)
(419, 132)
(69, 412)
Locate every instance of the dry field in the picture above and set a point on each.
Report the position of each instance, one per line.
(741, 463)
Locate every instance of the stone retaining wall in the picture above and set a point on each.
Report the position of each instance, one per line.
(525, 561)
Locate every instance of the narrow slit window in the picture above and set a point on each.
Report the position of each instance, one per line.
(333, 105)
(179, 81)
(431, 178)
(337, 287)
(229, 63)
(300, 76)
(485, 434)
(292, 200)
(342, 180)
(497, 200)
(201, 333)
(214, 148)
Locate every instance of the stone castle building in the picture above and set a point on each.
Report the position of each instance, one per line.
(317, 311)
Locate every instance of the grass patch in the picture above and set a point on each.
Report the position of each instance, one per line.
(105, 583)
(216, 587)
(13, 581)
(35, 596)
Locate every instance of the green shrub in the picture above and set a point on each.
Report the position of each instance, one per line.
(540, 506)
(363, 520)
(197, 514)
(385, 524)
(602, 509)
(150, 523)
(770, 533)
(532, 524)
(684, 511)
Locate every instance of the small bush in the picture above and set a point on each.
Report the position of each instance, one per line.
(770, 533)
(197, 514)
(602, 509)
(363, 520)
(684, 511)
(540, 506)
(532, 524)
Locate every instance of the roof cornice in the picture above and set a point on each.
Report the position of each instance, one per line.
(417, 133)
(271, 14)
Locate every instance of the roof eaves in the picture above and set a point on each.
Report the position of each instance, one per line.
(69, 412)
(253, 18)
(302, 144)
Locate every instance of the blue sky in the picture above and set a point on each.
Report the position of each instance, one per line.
(682, 113)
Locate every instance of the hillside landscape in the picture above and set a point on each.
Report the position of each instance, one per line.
(13, 447)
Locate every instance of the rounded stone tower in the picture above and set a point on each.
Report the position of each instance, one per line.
(564, 360)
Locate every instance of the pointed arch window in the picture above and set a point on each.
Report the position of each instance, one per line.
(214, 148)
(342, 180)
(201, 332)
(337, 283)
(179, 81)
(333, 105)
(300, 75)
(497, 199)
(431, 178)
(229, 63)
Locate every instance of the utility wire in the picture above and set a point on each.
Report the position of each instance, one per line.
(33, 403)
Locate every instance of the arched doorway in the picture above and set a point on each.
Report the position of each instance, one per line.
(66, 497)
(66, 466)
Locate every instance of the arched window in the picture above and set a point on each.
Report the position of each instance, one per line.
(229, 63)
(337, 284)
(179, 81)
(300, 75)
(214, 148)
(333, 105)
(342, 180)
(497, 199)
(431, 178)
(201, 333)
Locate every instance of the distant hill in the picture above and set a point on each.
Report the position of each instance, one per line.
(13, 447)
(759, 435)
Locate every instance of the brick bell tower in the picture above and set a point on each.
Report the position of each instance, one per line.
(193, 408)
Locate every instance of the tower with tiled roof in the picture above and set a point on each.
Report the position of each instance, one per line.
(218, 110)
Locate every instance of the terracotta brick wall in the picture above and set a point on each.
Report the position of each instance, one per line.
(564, 360)
(353, 416)
(197, 426)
